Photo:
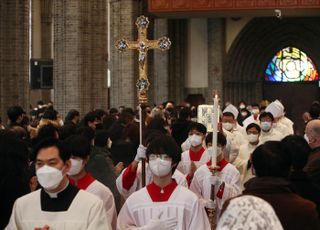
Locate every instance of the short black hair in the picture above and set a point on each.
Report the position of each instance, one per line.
(197, 126)
(91, 116)
(221, 140)
(87, 132)
(266, 114)
(270, 160)
(253, 125)
(50, 114)
(100, 113)
(66, 131)
(164, 144)
(299, 150)
(52, 142)
(184, 113)
(314, 111)
(151, 134)
(101, 138)
(228, 114)
(72, 114)
(78, 146)
(46, 131)
(14, 112)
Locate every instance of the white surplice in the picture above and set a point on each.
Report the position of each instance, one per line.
(135, 179)
(185, 163)
(229, 175)
(272, 135)
(182, 204)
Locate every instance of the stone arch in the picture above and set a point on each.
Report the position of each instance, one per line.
(254, 47)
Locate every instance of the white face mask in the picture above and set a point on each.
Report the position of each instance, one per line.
(265, 125)
(252, 138)
(227, 126)
(49, 177)
(61, 123)
(76, 166)
(255, 111)
(242, 106)
(160, 167)
(306, 138)
(195, 140)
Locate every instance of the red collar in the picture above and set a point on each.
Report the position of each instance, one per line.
(84, 182)
(223, 163)
(159, 195)
(196, 156)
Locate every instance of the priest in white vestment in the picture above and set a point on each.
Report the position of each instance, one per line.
(268, 133)
(232, 130)
(163, 204)
(58, 205)
(242, 161)
(281, 123)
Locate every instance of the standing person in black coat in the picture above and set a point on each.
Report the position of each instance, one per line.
(180, 131)
(14, 181)
(299, 150)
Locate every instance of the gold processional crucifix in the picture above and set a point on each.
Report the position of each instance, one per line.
(143, 45)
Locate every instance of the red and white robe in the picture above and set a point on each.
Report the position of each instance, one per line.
(173, 201)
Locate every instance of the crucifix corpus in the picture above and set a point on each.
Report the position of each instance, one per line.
(142, 44)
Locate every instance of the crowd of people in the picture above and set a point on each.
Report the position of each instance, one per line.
(92, 171)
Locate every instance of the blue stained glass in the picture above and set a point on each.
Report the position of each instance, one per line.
(291, 65)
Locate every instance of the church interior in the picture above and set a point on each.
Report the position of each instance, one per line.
(228, 46)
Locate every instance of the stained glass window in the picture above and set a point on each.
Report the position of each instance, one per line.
(290, 65)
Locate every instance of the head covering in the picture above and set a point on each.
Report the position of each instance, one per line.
(249, 212)
(249, 120)
(276, 108)
(232, 109)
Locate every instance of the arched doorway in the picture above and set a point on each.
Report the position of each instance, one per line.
(251, 53)
(291, 77)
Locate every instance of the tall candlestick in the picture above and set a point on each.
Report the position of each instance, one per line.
(214, 130)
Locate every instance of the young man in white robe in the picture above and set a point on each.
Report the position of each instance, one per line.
(79, 149)
(282, 124)
(268, 133)
(163, 204)
(231, 130)
(225, 178)
(242, 162)
(197, 155)
(58, 205)
(130, 179)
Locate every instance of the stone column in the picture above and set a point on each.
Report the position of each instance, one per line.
(124, 66)
(14, 55)
(160, 81)
(80, 55)
(216, 55)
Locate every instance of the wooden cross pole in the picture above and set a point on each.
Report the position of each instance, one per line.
(142, 44)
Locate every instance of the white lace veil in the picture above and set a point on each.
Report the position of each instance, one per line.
(249, 212)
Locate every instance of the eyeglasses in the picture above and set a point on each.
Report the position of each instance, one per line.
(161, 156)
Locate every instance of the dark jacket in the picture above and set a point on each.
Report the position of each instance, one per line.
(312, 167)
(293, 211)
(302, 185)
(101, 168)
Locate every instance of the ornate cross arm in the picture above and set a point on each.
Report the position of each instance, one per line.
(143, 45)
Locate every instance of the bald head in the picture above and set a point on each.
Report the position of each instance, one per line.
(313, 133)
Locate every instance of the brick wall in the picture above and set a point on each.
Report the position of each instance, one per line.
(14, 54)
(80, 55)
